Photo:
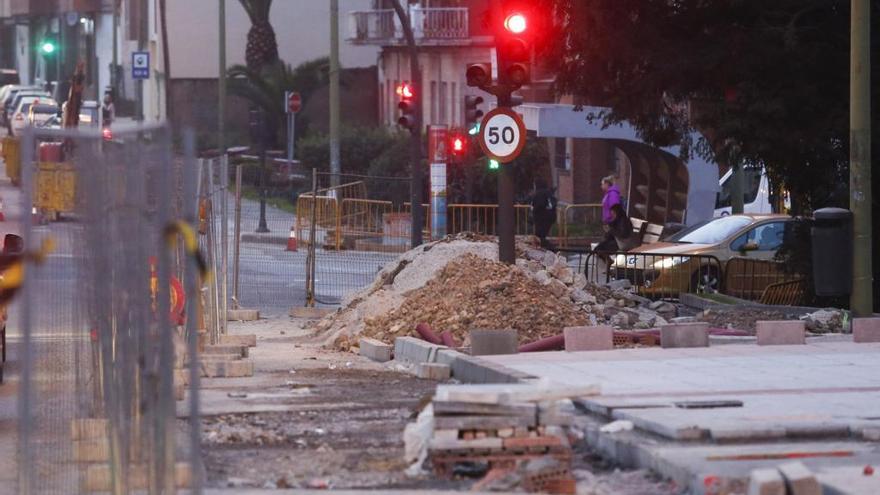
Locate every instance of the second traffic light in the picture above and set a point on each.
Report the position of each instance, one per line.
(513, 44)
(48, 46)
(472, 114)
(407, 106)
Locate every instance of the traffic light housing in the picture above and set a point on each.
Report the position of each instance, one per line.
(406, 106)
(472, 114)
(479, 75)
(513, 44)
(458, 145)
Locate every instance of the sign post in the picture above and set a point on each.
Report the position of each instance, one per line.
(293, 104)
(140, 65)
(438, 154)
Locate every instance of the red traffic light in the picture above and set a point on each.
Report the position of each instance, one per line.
(405, 91)
(515, 23)
(457, 144)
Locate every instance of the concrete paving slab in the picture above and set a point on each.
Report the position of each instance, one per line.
(848, 480)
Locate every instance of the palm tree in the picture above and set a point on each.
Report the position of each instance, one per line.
(262, 46)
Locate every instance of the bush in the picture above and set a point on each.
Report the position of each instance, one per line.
(358, 147)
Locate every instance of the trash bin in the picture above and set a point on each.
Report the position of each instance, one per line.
(832, 240)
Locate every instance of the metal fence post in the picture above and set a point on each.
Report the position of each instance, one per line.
(236, 256)
(224, 233)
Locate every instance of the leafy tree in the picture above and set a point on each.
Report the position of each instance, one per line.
(265, 89)
(359, 147)
(767, 82)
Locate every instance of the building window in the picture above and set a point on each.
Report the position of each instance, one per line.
(444, 97)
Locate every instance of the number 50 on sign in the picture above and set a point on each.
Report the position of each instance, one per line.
(502, 135)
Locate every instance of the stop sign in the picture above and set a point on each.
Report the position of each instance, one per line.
(294, 102)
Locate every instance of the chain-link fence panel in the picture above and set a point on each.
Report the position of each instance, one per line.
(98, 316)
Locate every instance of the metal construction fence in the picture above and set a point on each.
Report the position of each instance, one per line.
(666, 276)
(95, 326)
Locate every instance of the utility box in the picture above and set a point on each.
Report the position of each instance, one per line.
(832, 238)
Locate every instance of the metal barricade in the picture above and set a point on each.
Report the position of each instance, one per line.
(12, 158)
(656, 276)
(580, 224)
(483, 219)
(748, 278)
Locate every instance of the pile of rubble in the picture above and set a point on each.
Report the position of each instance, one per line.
(457, 285)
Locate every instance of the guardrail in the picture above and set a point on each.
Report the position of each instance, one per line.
(580, 224)
(749, 278)
(483, 219)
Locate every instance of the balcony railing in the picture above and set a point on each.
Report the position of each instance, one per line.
(429, 24)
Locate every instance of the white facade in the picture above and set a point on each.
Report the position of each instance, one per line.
(302, 28)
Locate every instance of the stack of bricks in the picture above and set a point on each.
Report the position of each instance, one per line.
(505, 435)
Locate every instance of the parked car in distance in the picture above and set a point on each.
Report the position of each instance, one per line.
(15, 98)
(7, 94)
(696, 257)
(44, 108)
(9, 76)
(90, 113)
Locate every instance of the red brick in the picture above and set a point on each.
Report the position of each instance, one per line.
(790, 332)
(866, 330)
(521, 443)
(598, 338)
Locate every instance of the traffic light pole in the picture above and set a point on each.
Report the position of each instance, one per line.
(862, 299)
(418, 174)
(506, 220)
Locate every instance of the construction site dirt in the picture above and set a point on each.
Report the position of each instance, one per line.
(314, 418)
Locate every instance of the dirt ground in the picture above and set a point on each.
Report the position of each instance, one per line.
(345, 425)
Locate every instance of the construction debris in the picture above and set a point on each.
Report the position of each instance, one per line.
(518, 432)
(456, 285)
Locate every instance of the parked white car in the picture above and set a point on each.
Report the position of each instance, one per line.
(44, 108)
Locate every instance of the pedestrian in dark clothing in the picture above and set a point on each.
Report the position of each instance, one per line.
(543, 211)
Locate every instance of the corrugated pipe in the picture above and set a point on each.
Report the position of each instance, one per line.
(425, 332)
(554, 343)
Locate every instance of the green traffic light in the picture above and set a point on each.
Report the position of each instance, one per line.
(47, 47)
(493, 165)
(473, 131)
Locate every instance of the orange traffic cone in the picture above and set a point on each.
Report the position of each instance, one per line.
(291, 241)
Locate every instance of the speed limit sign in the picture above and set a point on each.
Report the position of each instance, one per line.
(502, 135)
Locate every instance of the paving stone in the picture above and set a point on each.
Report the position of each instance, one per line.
(91, 450)
(310, 313)
(866, 330)
(767, 481)
(375, 350)
(240, 350)
(434, 371)
(481, 422)
(799, 480)
(414, 350)
(227, 369)
(792, 332)
(243, 315)
(525, 410)
(493, 342)
(247, 340)
(85, 428)
(598, 338)
(445, 434)
(98, 477)
(684, 335)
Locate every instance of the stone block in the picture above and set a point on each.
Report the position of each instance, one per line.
(91, 450)
(684, 335)
(791, 332)
(598, 338)
(85, 428)
(414, 350)
(866, 330)
(310, 313)
(493, 342)
(243, 315)
(766, 481)
(434, 371)
(235, 350)
(799, 480)
(227, 369)
(375, 350)
(249, 340)
(98, 477)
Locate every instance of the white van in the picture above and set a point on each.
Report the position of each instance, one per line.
(756, 192)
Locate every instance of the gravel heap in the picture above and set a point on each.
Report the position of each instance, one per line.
(475, 293)
(457, 285)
